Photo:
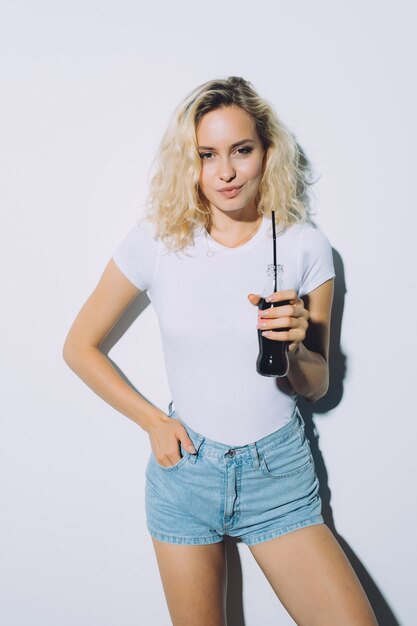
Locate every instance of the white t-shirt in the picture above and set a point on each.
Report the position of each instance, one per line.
(209, 328)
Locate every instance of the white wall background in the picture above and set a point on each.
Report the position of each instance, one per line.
(87, 89)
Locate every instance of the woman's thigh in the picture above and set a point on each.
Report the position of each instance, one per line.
(194, 579)
(313, 578)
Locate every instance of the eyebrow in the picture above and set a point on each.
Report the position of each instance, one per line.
(238, 143)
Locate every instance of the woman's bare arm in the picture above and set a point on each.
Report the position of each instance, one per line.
(112, 295)
(305, 324)
(309, 372)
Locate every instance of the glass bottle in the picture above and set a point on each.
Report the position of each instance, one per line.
(273, 354)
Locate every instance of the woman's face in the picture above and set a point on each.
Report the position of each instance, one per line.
(231, 156)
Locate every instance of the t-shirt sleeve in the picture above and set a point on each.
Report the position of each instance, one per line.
(136, 255)
(315, 260)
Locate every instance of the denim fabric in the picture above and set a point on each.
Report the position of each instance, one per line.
(255, 492)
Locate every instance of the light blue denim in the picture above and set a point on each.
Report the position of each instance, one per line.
(254, 492)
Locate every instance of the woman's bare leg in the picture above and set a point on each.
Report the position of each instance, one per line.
(313, 578)
(194, 579)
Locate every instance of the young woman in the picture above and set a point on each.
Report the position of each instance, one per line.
(231, 457)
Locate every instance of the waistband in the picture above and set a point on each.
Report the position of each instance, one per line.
(216, 449)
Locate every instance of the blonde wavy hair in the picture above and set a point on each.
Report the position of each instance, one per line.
(175, 202)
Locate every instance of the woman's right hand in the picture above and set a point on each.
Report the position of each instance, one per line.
(166, 434)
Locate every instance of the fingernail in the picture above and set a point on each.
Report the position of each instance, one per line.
(192, 450)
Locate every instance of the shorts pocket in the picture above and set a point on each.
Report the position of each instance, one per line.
(287, 459)
(171, 467)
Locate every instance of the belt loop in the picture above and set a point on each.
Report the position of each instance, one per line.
(255, 455)
(197, 441)
(300, 418)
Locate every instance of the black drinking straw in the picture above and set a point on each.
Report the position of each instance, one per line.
(275, 250)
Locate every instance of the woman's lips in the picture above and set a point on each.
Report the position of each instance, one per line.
(231, 193)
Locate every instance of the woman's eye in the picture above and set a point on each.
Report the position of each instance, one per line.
(242, 150)
(246, 150)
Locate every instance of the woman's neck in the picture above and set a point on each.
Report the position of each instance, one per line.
(231, 232)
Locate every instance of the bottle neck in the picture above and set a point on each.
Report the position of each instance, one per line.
(274, 280)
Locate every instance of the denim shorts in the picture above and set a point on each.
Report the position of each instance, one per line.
(253, 492)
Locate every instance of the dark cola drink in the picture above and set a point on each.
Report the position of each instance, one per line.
(273, 354)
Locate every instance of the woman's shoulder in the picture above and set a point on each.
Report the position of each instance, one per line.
(301, 228)
(138, 241)
(312, 236)
(306, 232)
(136, 253)
(314, 258)
(141, 233)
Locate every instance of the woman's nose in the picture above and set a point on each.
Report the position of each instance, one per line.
(226, 172)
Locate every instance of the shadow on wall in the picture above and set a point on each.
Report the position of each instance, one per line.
(382, 610)
(338, 366)
(235, 609)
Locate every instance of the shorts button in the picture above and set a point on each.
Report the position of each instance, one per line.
(231, 452)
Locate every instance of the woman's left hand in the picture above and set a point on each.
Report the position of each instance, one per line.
(292, 316)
